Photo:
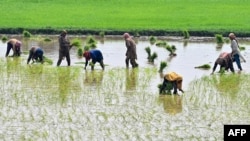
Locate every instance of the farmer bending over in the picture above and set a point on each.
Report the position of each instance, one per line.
(96, 56)
(171, 81)
(36, 54)
(15, 45)
(225, 61)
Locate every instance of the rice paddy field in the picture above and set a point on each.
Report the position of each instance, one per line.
(45, 102)
(137, 15)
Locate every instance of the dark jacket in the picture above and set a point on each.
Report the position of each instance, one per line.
(131, 48)
(35, 53)
(225, 61)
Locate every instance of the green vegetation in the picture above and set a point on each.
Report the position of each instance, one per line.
(204, 66)
(186, 34)
(4, 38)
(171, 50)
(163, 65)
(152, 39)
(219, 39)
(143, 16)
(26, 34)
(151, 57)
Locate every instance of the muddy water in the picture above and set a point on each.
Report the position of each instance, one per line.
(43, 102)
(195, 52)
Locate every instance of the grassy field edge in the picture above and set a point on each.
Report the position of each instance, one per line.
(51, 31)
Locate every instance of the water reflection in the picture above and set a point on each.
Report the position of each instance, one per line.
(93, 77)
(13, 65)
(64, 83)
(131, 79)
(185, 43)
(172, 104)
(228, 85)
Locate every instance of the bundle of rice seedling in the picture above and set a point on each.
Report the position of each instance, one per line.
(79, 52)
(47, 60)
(161, 43)
(26, 34)
(4, 38)
(219, 38)
(148, 50)
(152, 39)
(47, 39)
(76, 43)
(205, 66)
(153, 57)
(162, 66)
(91, 40)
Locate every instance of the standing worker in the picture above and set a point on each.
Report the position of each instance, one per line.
(236, 55)
(64, 47)
(35, 53)
(15, 45)
(131, 55)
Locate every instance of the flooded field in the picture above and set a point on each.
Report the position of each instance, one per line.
(45, 102)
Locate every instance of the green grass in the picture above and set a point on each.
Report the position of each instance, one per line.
(178, 15)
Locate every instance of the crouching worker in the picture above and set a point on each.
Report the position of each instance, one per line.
(36, 54)
(225, 61)
(94, 55)
(171, 81)
(15, 45)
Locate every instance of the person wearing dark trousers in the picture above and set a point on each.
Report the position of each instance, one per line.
(64, 48)
(131, 54)
(15, 45)
(36, 54)
(225, 61)
(94, 55)
(236, 55)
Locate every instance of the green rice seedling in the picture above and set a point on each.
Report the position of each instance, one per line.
(47, 60)
(242, 48)
(91, 40)
(186, 34)
(222, 70)
(153, 57)
(148, 50)
(4, 38)
(47, 39)
(162, 66)
(26, 34)
(102, 34)
(226, 40)
(167, 89)
(160, 43)
(76, 43)
(92, 45)
(219, 39)
(204, 66)
(80, 51)
(152, 39)
(86, 48)
(171, 50)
